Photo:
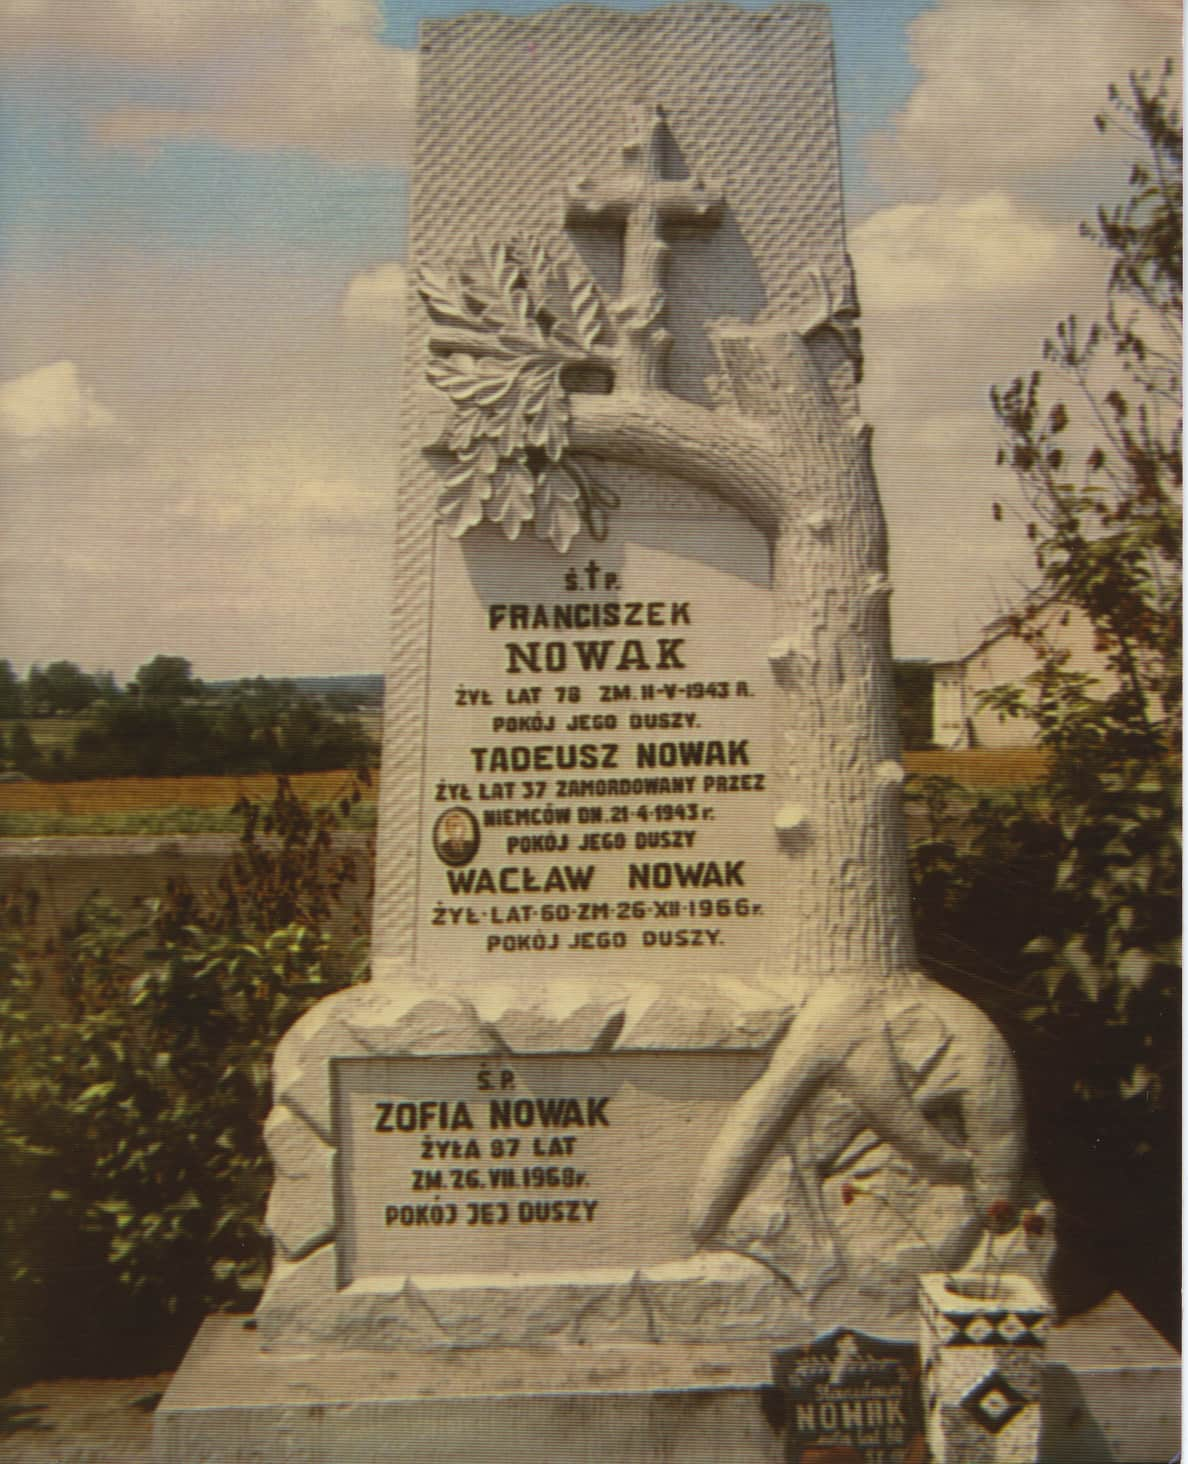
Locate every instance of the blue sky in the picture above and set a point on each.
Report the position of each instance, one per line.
(61, 187)
(202, 217)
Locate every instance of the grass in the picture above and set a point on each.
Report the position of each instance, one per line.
(48, 733)
(178, 820)
(157, 805)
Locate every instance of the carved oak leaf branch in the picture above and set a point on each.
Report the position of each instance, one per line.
(506, 324)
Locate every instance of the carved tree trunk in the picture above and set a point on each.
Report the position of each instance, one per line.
(845, 904)
(802, 472)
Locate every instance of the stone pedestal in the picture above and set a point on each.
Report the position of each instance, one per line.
(982, 1340)
(1111, 1392)
(463, 1165)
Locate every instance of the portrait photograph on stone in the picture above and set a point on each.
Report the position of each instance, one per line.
(590, 735)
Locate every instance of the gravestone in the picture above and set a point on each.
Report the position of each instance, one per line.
(644, 995)
(644, 1002)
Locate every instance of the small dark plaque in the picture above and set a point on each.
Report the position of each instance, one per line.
(849, 1398)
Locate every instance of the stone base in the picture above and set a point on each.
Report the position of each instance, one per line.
(341, 1278)
(1111, 1393)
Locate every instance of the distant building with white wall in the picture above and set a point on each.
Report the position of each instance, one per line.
(1000, 656)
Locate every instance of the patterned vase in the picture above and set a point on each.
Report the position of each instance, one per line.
(982, 1345)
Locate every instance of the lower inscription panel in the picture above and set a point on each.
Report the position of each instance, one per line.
(544, 1163)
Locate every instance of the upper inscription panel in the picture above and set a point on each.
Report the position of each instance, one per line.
(598, 763)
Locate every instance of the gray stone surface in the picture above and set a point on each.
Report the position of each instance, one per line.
(301, 1206)
(1111, 1396)
(457, 1302)
(811, 1259)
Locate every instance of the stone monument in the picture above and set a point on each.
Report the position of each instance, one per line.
(645, 1006)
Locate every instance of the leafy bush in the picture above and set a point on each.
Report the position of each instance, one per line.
(995, 911)
(134, 1084)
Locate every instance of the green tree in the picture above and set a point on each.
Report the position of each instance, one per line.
(105, 685)
(232, 733)
(23, 752)
(1060, 909)
(36, 692)
(1107, 532)
(62, 687)
(127, 738)
(11, 701)
(168, 678)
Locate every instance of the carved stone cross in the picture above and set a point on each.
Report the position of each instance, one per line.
(639, 199)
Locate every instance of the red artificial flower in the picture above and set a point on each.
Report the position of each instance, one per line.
(1033, 1223)
(1000, 1213)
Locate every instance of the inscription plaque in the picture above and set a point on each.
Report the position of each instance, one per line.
(850, 1398)
(598, 753)
(524, 1163)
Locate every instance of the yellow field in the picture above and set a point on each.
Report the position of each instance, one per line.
(980, 769)
(126, 795)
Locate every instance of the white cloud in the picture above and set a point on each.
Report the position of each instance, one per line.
(50, 407)
(340, 502)
(1010, 89)
(988, 167)
(377, 295)
(166, 33)
(250, 529)
(957, 296)
(257, 73)
(348, 103)
(270, 496)
(918, 255)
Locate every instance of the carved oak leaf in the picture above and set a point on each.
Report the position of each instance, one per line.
(571, 303)
(460, 504)
(506, 323)
(511, 504)
(558, 514)
(443, 297)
